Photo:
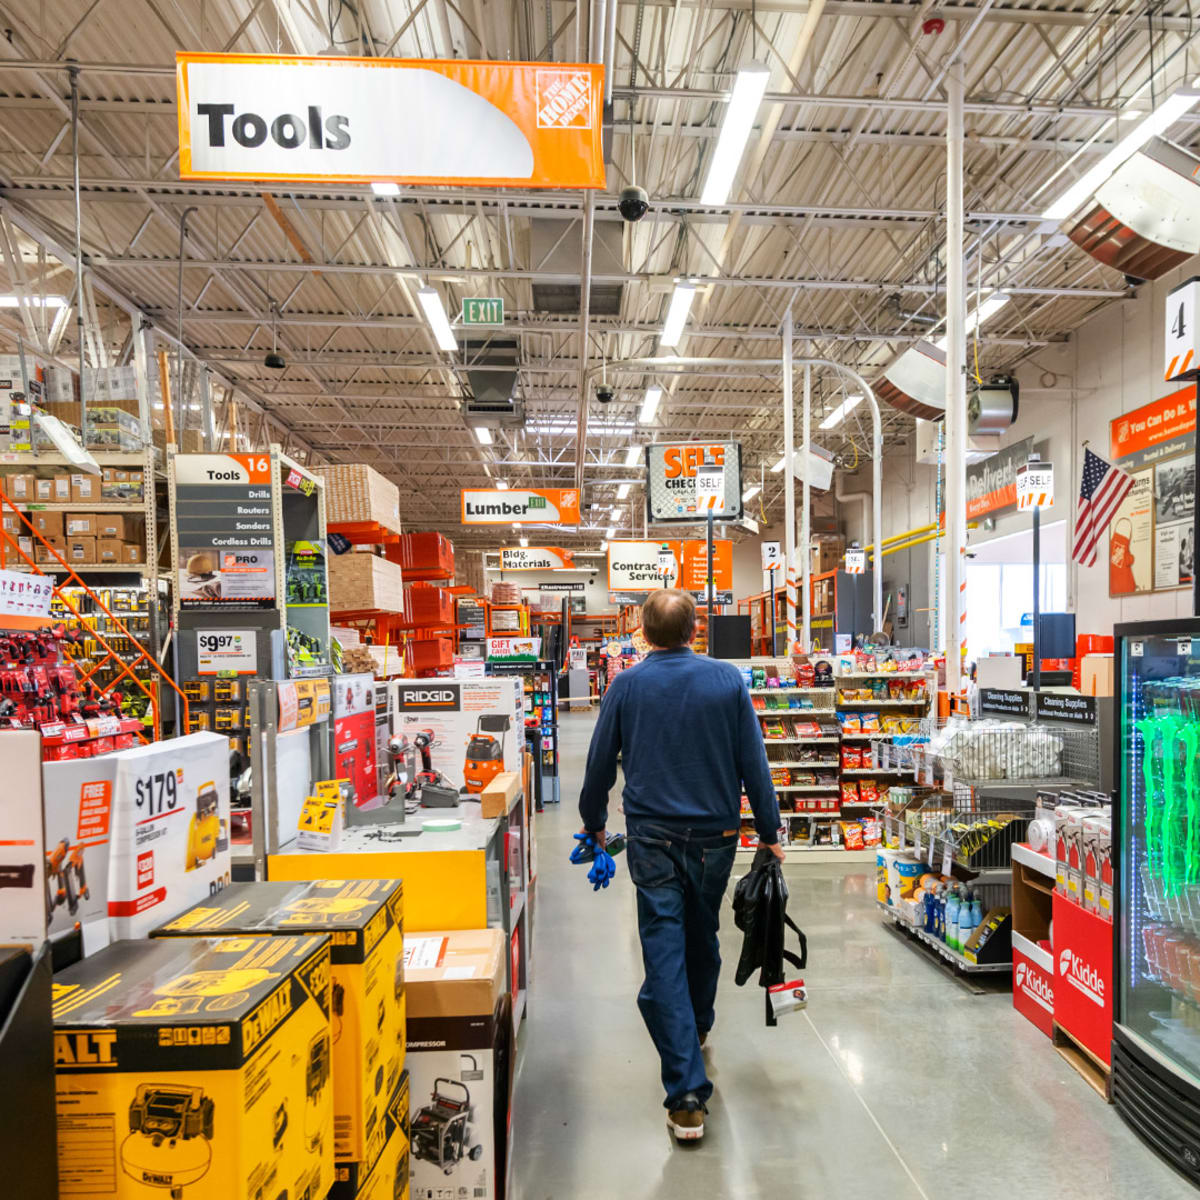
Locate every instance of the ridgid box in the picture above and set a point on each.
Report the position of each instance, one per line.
(455, 985)
(170, 830)
(384, 1174)
(364, 919)
(195, 1068)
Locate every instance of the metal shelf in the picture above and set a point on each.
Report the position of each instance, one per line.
(875, 771)
(89, 569)
(824, 691)
(940, 948)
(800, 741)
(883, 703)
(809, 787)
(824, 764)
(50, 458)
(82, 506)
(1023, 853)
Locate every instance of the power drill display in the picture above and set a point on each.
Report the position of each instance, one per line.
(66, 880)
(429, 787)
(306, 580)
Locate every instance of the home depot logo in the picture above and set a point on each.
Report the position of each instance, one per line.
(564, 100)
(1035, 985)
(1082, 975)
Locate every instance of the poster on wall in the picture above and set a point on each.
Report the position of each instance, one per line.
(1131, 540)
(354, 734)
(1174, 504)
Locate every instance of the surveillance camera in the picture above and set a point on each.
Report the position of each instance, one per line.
(604, 394)
(634, 203)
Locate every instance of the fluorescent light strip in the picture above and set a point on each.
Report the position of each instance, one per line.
(502, 485)
(1154, 123)
(650, 404)
(748, 89)
(677, 314)
(610, 531)
(779, 465)
(435, 314)
(623, 491)
(33, 301)
(484, 435)
(840, 413)
(385, 189)
(524, 541)
(633, 456)
(751, 492)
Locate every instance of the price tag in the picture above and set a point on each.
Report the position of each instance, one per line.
(320, 824)
(932, 845)
(856, 561)
(927, 773)
(886, 755)
(946, 861)
(948, 777)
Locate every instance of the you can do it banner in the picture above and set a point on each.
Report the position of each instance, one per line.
(363, 120)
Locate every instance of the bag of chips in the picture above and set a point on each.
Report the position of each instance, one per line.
(850, 792)
(852, 835)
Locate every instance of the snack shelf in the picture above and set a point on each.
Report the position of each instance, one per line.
(958, 961)
(922, 701)
(827, 764)
(879, 674)
(771, 691)
(801, 741)
(808, 787)
(875, 771)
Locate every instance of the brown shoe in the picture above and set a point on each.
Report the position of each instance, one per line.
(687, 1121)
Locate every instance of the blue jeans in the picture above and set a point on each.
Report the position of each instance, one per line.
(681, 878)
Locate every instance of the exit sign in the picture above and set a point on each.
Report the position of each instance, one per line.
(483, 310)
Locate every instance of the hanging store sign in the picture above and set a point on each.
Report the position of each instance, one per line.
(1161, 429)
(1035, 486)
(992, 483)
(640, 567)
(523, 506)
(368, 120)
(536, 558)
(1181, 349)
(487, 311)
(224, 530)
(682, 481)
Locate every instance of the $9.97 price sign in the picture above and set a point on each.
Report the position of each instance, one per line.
(226, 652)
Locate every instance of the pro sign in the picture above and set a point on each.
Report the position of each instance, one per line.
(364, 120)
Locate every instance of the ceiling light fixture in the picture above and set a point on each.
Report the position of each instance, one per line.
(524, 541)
(484, 434)
(677, 314)
(779, 465)
(749, 86)
(34, 301)
(604, 545)
(385, 189)
(274, 359)
(751, 492)
(623, 491)
(840, 413)
(1159, 120)
(608, 533)
(650, 404)
(502, 485)
(988, 308)
(632, 455)
(435, 314)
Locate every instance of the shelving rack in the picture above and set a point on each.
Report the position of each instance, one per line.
(541, 708)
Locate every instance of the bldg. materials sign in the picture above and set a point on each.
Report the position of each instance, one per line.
(687, 480)
(365, 120)
(536, 558)
(522, 506)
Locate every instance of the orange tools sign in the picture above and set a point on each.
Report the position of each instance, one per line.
(1139, 433)
(524, 506)
(365, 120)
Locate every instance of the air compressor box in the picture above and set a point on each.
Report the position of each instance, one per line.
(364, 920)
(195, 1068)
(384, 1173)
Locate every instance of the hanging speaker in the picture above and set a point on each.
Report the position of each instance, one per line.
(1145, 219)
(915, 383)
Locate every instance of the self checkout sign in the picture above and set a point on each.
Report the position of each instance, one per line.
(1181, 348)
(856, 561)
(1035, 486)
(687, 480)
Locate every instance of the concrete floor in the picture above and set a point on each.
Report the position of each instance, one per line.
(897, 1082)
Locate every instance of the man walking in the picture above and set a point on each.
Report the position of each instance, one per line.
(689, 742)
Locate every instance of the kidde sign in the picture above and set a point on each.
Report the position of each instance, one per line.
(1082, 976)
(1035, 985)
(536, 558)
(530, 506)
(354, 120)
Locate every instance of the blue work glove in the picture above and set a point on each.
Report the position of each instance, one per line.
(603, 866)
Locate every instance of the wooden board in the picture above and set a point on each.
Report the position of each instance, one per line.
(358, 582)
(1097, 1075)
(355, 492)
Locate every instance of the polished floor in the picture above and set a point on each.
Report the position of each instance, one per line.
(896, 1084)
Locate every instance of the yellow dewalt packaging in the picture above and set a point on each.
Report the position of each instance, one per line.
(364, 920)
(195, 1069)
(383, 1174)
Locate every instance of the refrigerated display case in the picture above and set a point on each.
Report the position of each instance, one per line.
(1156, 896)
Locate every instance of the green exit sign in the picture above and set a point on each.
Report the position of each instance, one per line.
(483, 310)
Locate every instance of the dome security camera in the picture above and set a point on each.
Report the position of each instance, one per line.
(634, 204)
(604, 394)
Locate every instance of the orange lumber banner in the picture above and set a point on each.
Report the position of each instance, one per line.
(524, 506)
(363, 120)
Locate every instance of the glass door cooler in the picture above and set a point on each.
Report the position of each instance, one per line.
(1156, 931)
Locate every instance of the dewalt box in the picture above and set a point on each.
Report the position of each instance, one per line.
(364, 919)
(195, 1068)
(383, 1175)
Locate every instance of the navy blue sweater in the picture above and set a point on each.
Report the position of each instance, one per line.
(689, 742)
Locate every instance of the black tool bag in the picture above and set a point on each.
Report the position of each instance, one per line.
(760, 912)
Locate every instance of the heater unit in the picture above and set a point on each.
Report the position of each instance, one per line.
(915, 383)
(1145, 220)
(992, 406)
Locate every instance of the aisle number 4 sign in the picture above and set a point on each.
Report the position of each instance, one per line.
(1181, 355)
(1035, 486)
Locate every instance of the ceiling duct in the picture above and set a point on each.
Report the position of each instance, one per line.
(1146, 217)
(491, 367)
(915, 383)
(557, 250)
(992, 406)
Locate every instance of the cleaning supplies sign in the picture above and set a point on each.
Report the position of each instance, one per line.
(536, 558)
(288, 117)
(226, 652)
(223, 530)
(683, 482)
(522, 506)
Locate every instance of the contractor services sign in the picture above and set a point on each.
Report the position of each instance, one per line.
(365, 120)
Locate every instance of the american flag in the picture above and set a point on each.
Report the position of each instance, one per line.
(1101, 491)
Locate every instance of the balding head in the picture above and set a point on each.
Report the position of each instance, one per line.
(669, 618)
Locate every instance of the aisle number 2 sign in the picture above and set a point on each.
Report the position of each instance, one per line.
(772, 556)
(1035, 486)
(1181, 354)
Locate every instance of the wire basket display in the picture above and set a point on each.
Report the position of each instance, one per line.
(981, 752)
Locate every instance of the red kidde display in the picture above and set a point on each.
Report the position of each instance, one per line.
(1033, 983)
(1083, 976)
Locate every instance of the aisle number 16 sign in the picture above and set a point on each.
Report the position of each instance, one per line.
(1181, 353)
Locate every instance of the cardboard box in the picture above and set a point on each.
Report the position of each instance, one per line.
(121, 483)
(85, 489)
(26, 546)
(42, 550)
(11, 522)
(76, 524)
(21, 487)
(358, 493)
(366, 921)
(1096, 843)
(827, 554)
(170, 830)
(1096, 675)
(45, 491)
(498, 796)
(60, 489)
(361, 581)
(455, 986)
(384, 1174)
(81, 550)
(196, 1066)
(49, 524)
(108, 550)
(132, 553)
